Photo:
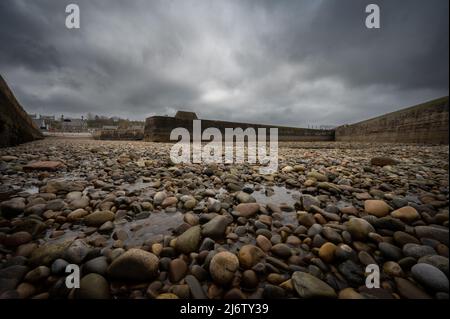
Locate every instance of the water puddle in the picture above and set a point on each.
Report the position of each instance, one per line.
(151, 228)
(31, 189)
(276, 195)
(139, 185)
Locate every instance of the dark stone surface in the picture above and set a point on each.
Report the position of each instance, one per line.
(423, 123)
(15, 125)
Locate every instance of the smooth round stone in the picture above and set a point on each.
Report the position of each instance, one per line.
(306, 219)
(331, 235)
(26, 290)
(437, 261)
(234, 293)
(327, 251)
(376, 207)
(207, 244)
(134, 264)
(352, 272)
(13, 207)
(346, 237)
(314, 230)
(264, 232)
(55, 205)
(407, 214)
(247, 209)
(318, 241)
(73, 196)
(245, 198)
(383, 161)
(408, 290)
(281, 250)
(79, 203)
(263, 243)
(389, 223)
(77, 252)
(273, 292)
(106, 227)
(349, 293)
(407, 262)
(438, 233)
(308, 286)
(189, 241)
(37, 274)
(97, 219)
(159, 198)
(442, 250)
(177, 270)
(37, 209)
(59, 266)
(213, 205)
(260, 225)
(365, 258)
(430, 277)
(216, 227)
(77, 214)
(344, 252)
(17, 239)
(93, 286)
(98, 265)
(223, 267)
(164, 263)
(293, 240)
(418, 251)
(169, 201)
(403, 238)
(249, 256)
(249, 279)
(359, 228)
(198, 272)
(190, 204)
(393, 269)
(390, 252)
(276, 239)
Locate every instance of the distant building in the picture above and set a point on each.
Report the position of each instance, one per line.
(183, 115)
(110, 127)
(47, 117)
(43, 122)
(74, 125)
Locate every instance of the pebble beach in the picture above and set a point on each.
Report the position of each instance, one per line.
(139, 226)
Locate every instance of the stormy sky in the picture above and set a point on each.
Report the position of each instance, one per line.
(299, 62)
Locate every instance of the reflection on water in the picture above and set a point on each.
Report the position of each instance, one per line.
(31, 189)
(151, 228)
(276, 195)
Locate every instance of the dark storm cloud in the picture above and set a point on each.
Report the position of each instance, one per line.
(287, 62)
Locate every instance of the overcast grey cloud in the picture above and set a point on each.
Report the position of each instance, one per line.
(304, 62)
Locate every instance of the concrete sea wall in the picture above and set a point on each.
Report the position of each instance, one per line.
(158, 128)
(426, 123)
(121, 134)
(15, 125)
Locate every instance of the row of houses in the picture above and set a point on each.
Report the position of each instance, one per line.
(51, 123)
(72, 125)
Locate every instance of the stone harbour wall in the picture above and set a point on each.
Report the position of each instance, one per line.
(15, 125)
(122, 134)
(158, 129)
(426, 123)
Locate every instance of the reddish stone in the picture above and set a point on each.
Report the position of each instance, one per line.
(43, 166)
